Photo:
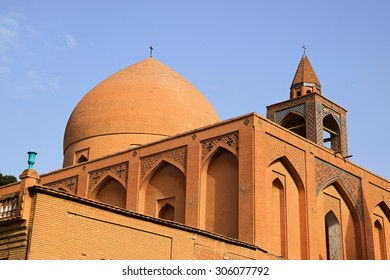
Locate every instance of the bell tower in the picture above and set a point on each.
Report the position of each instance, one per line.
(309, 114)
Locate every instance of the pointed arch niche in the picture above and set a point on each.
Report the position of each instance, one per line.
(338, 214)
(219, 202)
(381, 228)
(295, 122)
(279, 217)
(333, 237)
(81, 156)
(331, 133)
(110, 191)
(163, 193)
(286, 218)
(167, 212)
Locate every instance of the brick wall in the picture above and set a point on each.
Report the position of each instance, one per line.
(66, 227)
(13, 240)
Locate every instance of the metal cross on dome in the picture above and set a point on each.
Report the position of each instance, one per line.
(151, 51)
(304, 49)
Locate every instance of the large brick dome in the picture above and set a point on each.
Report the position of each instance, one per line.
(142, 103)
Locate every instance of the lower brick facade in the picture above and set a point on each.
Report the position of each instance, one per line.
(68, 227)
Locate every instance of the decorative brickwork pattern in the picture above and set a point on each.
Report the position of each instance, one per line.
(344, 136)
(319, 127)
(311, 132)
(326, 111)
(314, 108)
(271, 115)
(327, 173)
(67, 184)
(277, 149)
(178, 155)
(230, 141)
(377, 195)
(329, 104)
(119, 171)
(300, 109)
(289, 103)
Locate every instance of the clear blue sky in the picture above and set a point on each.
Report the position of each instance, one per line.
(242, 55)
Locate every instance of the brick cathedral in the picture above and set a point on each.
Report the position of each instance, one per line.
(151, 172)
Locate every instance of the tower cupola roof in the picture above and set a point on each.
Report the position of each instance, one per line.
(305, 80)
(305, 73)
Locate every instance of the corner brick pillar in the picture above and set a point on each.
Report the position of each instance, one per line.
(29, 178)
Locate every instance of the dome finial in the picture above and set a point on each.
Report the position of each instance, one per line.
(151, 51)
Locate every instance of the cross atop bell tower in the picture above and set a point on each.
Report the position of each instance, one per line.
(309, 114)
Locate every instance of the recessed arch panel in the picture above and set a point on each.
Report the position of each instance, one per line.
(166, 181)
(220, 187)
(110, 191)
(334, 197)
(381, 231)
(287, 237)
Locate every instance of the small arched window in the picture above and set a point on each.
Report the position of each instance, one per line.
(331, 133)
(81, 156)
(279, 217)
(380, 239)
(81, 159)
(295, 122)
(167, 212)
